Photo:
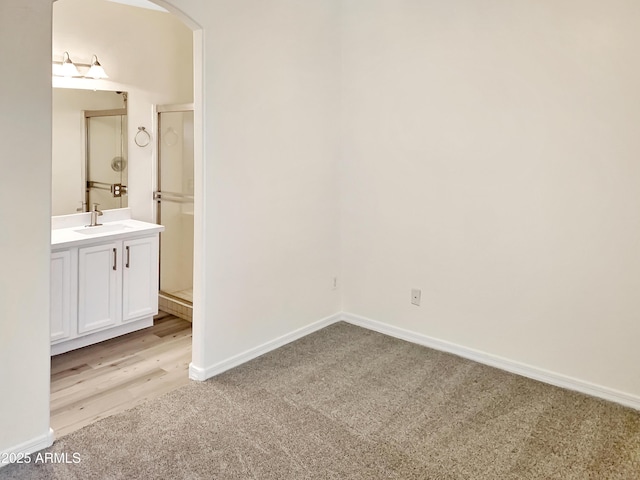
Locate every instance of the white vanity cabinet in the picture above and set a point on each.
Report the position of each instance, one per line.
(117, 282)
(140, 278)
(99, 281)
(61, 312)
(103, 285)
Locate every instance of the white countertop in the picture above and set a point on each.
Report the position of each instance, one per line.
(70, 230)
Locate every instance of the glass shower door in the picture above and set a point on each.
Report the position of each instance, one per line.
(175, 203)
(106, 163)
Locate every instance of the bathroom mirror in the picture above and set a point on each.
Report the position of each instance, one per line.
(89, 150)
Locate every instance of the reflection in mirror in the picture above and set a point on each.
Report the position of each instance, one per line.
(106, 133)
(89, 161)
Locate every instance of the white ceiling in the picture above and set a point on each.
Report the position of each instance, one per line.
(141, 4)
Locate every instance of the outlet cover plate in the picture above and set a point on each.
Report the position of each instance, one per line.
(415, 296)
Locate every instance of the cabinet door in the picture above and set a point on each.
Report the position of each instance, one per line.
(98, 286)
(140, 278)
(60, 313)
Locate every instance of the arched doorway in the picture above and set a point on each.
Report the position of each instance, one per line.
(142, 115)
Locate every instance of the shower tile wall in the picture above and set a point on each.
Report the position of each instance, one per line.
(175, 307)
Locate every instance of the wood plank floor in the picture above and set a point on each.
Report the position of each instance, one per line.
(100, 380)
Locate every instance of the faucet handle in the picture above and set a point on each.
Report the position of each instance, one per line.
(95, 207)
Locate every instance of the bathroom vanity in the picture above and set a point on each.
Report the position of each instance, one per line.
(104, 279)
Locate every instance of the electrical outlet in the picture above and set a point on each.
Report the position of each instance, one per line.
(415, 296)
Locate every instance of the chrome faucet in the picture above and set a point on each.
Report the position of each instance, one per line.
(95, 213)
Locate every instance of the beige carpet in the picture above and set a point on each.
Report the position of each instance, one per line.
(349, 403)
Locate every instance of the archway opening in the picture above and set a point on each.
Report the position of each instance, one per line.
(142, 160)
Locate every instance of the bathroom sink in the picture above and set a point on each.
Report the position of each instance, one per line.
(99, 229)
(70, 230)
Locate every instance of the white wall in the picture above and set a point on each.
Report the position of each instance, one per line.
(25, 133)
(148, 54)
(491, 159)
(270, 179)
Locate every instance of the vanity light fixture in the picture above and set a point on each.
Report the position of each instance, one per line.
(96, 71)
(66, 68)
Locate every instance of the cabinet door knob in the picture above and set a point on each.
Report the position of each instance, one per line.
(127, 264)
(115, 259)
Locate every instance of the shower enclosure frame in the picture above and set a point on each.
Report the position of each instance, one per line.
(88, 115)
(167, 299)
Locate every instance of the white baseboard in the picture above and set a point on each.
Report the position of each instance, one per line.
(197, 373)
(502, 363)
(26, 448)
(201, 374)
(529, 371)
